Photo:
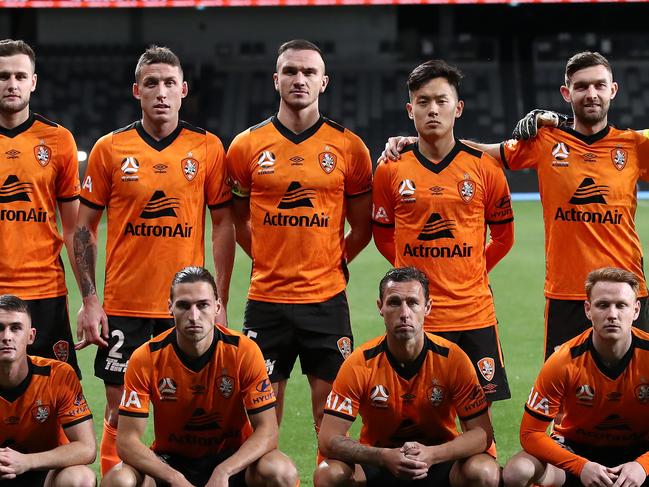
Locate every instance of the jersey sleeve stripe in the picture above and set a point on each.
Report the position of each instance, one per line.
(90, 204)
(474, 415)
(502, 155)
(384, 225)
(220, 205)
(340, 415)
(262, 408)
(500, 222)
(537, 415)
(77, 421)
(356, 195)
(68, 198)
(133, 414)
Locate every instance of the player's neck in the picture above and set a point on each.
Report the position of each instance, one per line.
(159, 130)
(13, 373)
(406, 351)
(195, 349)
(437, 149)
(611, 351)
(12, 120)
(297, 121)
(587, 129)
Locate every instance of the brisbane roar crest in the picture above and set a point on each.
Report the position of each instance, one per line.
(487, 368)
(61, 350)
(43, 154)
(345, 346)
(41, 412)
(619, 157)
(466, 189)
(189, 166)
(327, 161)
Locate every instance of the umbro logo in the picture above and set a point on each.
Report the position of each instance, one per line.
(12, 154)
(588, 192)
(160, 205)
(437, 227)
(296, 160)
(200, 421)
(296, 197)
(14, 190)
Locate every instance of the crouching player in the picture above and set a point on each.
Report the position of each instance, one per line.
(214, 417)
(600, 381)
(407, 386)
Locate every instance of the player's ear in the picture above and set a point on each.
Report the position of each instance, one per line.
(409, 110)
(587, 309)
(325, 83)
(184, 90)
(32, 336)
(429, 305)
(276, 81)
(379, 304)
(614, 88)
(459, 108)
(34, 79)
(136, 91)
(565, 93)
(636, 310)
(169, 305)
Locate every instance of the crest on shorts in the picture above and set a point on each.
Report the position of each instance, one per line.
(642, 393)
(40, 412)
(43, 154)
(436, 394)
(61, 350)
(327, 161)
(190, 168)
(225, 383)
(619, 157)
(345, 346)
(487, 368)
(466, 189)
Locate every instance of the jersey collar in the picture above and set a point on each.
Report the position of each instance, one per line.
(195, 364)
(587, 139)
(410, 370)
(292, 136)
(11, 133)
(441, 165)
(615, 371)
(14, 393)
(161, 144)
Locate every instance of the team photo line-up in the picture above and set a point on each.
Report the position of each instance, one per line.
(438, 209)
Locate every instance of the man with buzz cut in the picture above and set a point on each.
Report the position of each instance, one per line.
(296, 177)
(39, 177)
(47, 436)
(599, 382)
(409, 387)
(588, 172)
(213, 405)
(432, 211)
(154, 177)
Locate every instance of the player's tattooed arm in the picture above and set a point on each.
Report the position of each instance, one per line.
(85, 255)
(351, 451)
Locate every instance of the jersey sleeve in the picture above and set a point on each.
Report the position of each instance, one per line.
(137, 385)
(498, 201)
(217, 191)
(469, 399)
(71, 407)
(382, 198)
(237, 163)
(96, 187)
(521, 154)
(547, 393)
(642, 144)
(67, 176)
(256, 388)
(347, 390)
(358, 179)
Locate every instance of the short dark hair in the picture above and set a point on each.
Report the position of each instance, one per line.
(404, 274)
(10, 47)
(9, 302)
(435, 68)
(157, 55)
(298, 45)
(611, 274)
(193, 274)
(583, 60)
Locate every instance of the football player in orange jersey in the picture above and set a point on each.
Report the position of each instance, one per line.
(39, 178)
(409, 387)
(587, 173)
(47, 437)
(600, 381)
(296, 177)
(213, 404)
(154, 177)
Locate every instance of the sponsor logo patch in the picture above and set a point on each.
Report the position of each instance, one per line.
(379, 396)
(167, 389)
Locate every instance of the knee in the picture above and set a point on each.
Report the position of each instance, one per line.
(76, 476)
(118, 476)
(518, 472)
(482, 471)
(277, 471)
(332, 473)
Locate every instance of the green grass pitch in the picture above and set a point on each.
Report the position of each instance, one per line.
(517, 282)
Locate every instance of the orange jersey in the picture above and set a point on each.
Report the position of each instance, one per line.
(34, 412)
(39, 168)
(440, 212)
(588, 193)
(297, 185)
(419, 402)
(200, 406)
(155, 193)
(602, 407)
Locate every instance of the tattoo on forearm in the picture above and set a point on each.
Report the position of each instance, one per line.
(85, 255)
(352, 451)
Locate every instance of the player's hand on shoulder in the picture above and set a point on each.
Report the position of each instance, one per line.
(595, 475)
(13, 463)
(401, 466)
(394, 146)
(527, 127)
(92, 324)
(629, 474)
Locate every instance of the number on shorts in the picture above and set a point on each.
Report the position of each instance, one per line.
(114, 350)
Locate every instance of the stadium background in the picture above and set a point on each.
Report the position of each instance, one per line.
(513, 56)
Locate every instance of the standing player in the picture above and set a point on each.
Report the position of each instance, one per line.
(587, 179)
(408, 386)
(212, 402)
(600, 382)
(39, 174)
(154, 177)
(47, 437)
(296, 177)
(432, 211)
